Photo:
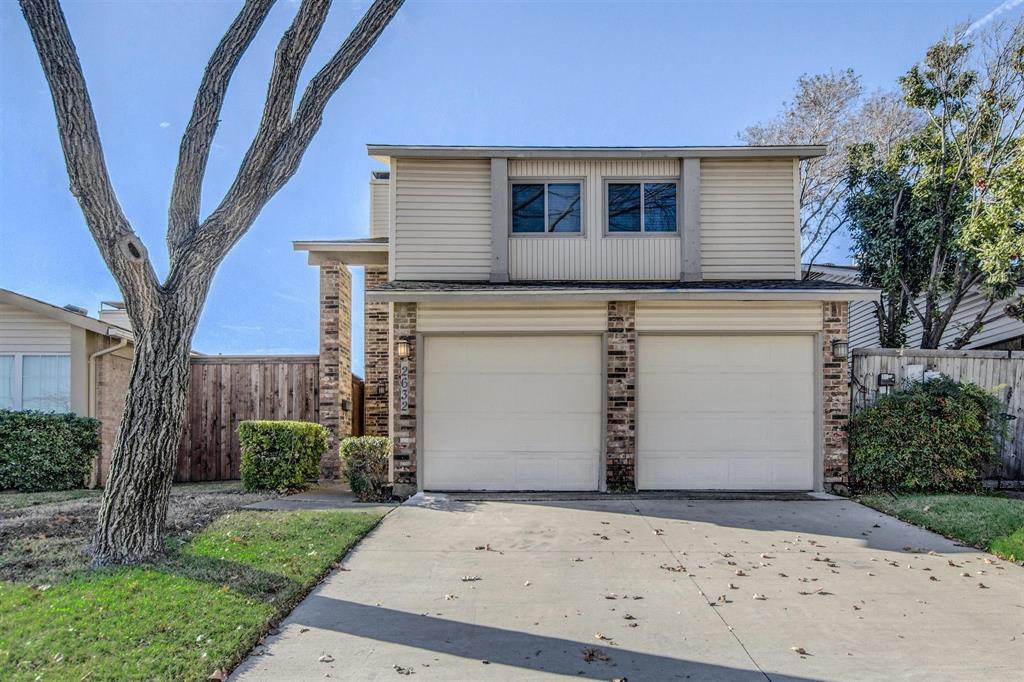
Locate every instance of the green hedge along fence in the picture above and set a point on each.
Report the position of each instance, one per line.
(42, 451)
(280, 455)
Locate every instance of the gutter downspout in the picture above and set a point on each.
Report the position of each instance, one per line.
(94, 477)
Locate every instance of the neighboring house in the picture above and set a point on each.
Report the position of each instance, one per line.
(549, 318)
(57, 359)
(1000, 331)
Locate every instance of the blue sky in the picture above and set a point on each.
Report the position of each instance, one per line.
(546, 73)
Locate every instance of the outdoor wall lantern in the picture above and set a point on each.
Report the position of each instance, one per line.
(402, 348)
(840, 349)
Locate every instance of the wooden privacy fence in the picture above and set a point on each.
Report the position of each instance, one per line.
(999, 371)
(226, 390)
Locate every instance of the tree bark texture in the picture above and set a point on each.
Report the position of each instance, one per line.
(131, 520)
(164, 314)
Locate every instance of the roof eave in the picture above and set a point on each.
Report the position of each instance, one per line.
(349, 253)
(552, 295)
(385, 152)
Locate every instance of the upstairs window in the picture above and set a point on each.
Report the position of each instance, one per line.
(641, 207)
(547, 207)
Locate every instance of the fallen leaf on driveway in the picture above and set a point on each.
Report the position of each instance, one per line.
(759, 597)
(983, 586)
(526, 584)
(470, 578)
(591, 654)
(658, 531)
(678, 568)
(740, 572)
(402, 671)
(217, 675)
(604, 638)
(799, 650)
(326, 658)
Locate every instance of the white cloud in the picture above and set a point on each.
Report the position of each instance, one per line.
(165, 124)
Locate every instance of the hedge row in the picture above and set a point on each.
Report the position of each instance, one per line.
(46, 450)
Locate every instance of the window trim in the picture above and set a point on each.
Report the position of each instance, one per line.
(19, 375)
(549, 180)
(670, 179)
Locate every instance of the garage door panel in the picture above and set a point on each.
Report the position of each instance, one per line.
(533, 393)
(515, 354)
(517, 432)
(738, 392)
(511, 413)
(726, 412)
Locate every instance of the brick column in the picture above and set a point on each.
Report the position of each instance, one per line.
(403, 421)
(620, 469)
(376, 359)
(835, 399)
(335, 360)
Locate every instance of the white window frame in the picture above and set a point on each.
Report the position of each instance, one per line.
(18, 388)
(582, 182)
(671, 180)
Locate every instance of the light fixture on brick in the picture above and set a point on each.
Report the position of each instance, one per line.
(402, 348)
(840, 349)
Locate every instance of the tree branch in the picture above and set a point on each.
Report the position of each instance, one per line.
(194, 152)
(122, 250)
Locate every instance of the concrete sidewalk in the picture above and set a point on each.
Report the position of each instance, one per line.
(653, 590)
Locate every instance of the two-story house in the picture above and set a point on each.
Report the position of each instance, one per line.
(591, 318)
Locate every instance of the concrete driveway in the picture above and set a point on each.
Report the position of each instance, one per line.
(653, 590)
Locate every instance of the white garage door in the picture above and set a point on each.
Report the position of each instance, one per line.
(511, 413)
(726, 412)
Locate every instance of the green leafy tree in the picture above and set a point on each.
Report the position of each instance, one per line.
(996, 235)
(971, 94)
(891, 234)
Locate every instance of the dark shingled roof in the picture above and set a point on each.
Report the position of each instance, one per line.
(580, 285)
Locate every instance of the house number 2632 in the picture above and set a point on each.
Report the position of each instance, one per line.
(403, 387)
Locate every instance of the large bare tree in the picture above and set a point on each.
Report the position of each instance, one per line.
(164, 313)
(831, 109)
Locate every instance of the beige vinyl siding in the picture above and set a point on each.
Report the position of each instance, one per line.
(727, 316)
(380, 207)
(749, 219)
(587, 317)
(22, 331)
(593, 255)
(442, 218)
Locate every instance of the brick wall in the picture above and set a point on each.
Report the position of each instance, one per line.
(376, 323)
(335, 360)
(112, 375)
(835, 396)
(620, 466)
(403, 427)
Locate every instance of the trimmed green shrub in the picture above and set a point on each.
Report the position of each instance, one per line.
(932, 436)
(366, 460)
(46, 450)
(280, 455)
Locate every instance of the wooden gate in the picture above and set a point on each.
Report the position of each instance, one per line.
(226, 390)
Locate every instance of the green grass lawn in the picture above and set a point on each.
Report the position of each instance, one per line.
(12, 501)
(989, 522)
(199, 610)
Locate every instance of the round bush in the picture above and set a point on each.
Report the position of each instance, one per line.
(366, 462)
(280, 455)
(46, 450)
(932, 436)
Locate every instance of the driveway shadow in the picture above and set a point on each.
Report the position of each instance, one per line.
(529, 652)
(800, 516)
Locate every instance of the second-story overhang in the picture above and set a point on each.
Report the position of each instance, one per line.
(385, 152)
(373, 251)
(421, 291)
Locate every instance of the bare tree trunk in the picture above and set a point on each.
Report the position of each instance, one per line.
(164, 314)
(142, 467)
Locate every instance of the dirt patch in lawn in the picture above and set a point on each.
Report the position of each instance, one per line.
(47, 542)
